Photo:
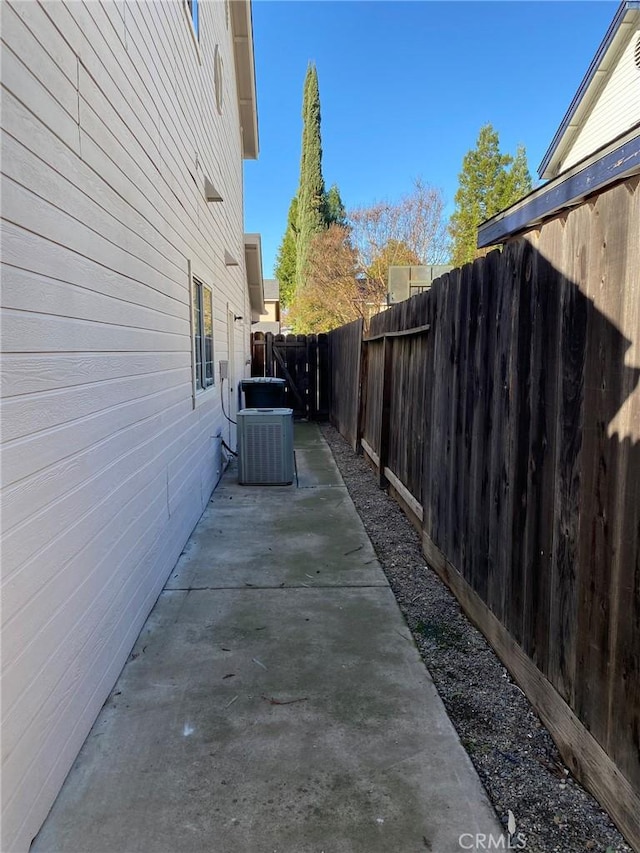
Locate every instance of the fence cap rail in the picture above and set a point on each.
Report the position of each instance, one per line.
(417, 330)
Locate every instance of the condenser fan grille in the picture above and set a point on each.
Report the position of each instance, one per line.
(265, 445)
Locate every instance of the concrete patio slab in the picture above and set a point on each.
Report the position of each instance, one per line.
(275, 536)
(291, 715)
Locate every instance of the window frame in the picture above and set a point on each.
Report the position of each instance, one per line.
(202, 343)
(195, 27)
(193, 10)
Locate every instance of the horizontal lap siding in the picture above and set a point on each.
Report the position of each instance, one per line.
(109, 128)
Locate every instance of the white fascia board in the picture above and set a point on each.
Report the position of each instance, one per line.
(242, 31)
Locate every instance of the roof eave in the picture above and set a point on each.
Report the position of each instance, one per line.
(627, 9)
(614, 162)
(253, 264)
(242, 32)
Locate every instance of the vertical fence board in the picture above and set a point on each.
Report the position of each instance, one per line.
(460, 501)
(375, 353)
(470, 443)
(324, 377)
(541, 527)
(539, 408)
(430, 318)
(257, 354)
(483, 293)
(519, 460)
(268, 358)
(312, 376)
(568, 497)
(435, 498)
(345, 356)
(385, 409)
(452, 473)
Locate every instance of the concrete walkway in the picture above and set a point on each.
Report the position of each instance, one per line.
(275, 700)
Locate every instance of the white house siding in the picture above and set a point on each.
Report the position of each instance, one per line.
(109, 126)
(616, 110)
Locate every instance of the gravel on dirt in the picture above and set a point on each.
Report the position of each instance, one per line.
(513, 753)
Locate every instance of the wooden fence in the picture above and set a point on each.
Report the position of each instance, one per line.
(303, 361)
(502, 408)
(345, 359)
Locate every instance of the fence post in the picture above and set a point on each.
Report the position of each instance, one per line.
(324, 377)
(268, 354)
(312, 376)
(361, 411)
(385, 419)
(257, 354)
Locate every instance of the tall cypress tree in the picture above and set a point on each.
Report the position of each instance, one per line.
(486, 186)
(311, 216)
(285, 268)
(312, 210)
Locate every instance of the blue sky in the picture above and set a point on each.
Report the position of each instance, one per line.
(404, 90)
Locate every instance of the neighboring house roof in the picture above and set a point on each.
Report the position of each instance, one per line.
(591, 93)
(242, 27)
(253, 262)
(598, 141)
(272, 326)
(271, 289)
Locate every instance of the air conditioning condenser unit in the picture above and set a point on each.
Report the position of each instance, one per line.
(265, 447)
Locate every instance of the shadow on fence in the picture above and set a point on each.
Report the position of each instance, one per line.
(499, 410)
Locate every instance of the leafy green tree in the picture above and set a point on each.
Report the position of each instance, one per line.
(311, 193)
(285, 268)
(518, 180)
(489, 182)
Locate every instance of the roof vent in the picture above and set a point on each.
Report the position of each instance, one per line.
(636, 53)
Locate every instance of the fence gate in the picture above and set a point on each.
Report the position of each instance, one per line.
(303, 361)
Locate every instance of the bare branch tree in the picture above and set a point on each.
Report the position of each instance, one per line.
(415, 222)
(333, 293)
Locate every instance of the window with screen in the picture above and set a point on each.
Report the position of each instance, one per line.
(202, 335)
